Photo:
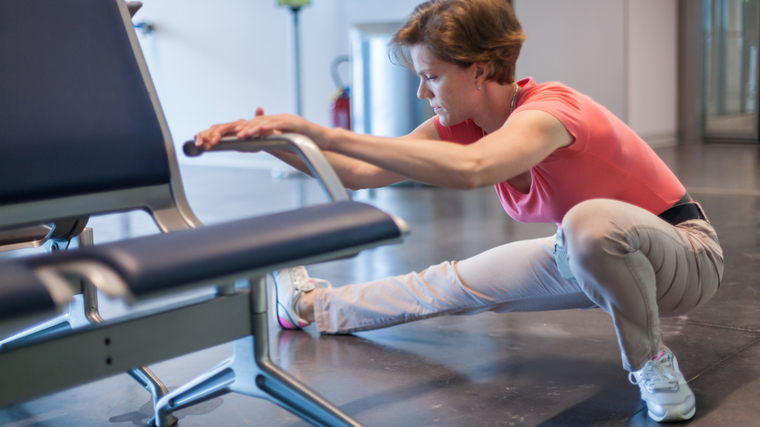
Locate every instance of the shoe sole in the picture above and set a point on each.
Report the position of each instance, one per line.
(285, 322)
(674, 416)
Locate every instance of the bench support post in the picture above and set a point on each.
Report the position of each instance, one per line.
(83, 311)
(250, 371)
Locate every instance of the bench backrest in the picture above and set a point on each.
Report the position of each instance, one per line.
(80, 121)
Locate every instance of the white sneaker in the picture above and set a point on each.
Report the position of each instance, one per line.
(664, 389)
(289, 285)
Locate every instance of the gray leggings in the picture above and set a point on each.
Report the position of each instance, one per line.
(625, 260)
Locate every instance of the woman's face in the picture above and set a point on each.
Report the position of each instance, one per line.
(450, 89)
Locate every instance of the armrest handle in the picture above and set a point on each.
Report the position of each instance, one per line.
(34, 236)
(306, 149)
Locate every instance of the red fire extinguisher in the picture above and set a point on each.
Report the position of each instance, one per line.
(341, 107)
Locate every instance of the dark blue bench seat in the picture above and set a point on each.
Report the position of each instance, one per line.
(22, 294)
(158, 263)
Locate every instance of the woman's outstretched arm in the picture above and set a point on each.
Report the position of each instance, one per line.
(522, 142)
(353, 173)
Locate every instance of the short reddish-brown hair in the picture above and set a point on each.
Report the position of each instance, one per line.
(464, 32)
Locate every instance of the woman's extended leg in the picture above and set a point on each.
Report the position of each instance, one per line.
(518, 276)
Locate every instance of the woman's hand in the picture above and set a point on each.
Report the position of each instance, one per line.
(262, 125)
(211, 136)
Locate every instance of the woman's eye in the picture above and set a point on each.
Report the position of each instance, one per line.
(430, 78)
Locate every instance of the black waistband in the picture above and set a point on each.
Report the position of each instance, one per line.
(683, 210)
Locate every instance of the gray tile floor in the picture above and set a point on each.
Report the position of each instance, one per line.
(525, 369)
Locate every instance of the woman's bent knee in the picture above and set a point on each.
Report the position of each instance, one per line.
(589, 230)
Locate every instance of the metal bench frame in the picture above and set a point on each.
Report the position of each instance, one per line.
(108, 348)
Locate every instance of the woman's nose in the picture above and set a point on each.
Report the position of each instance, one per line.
(422, 91)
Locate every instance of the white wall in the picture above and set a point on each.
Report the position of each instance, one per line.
(217, 61)
(579, 43)
(209, 62)
(214, 62)
(622, 53)
(653, 70)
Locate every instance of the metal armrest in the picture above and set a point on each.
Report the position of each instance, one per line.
(26, 237)
(306, 149)
(35, 236)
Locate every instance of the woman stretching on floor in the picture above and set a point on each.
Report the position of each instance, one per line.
(630, 239)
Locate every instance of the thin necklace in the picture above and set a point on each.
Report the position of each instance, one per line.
(511, 106)
(514, 101)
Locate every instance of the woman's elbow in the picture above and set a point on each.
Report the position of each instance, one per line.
(357, 187)
(354, 184)
(470, 176)
(363, 182)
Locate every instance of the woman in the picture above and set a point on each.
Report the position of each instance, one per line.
(630, 239)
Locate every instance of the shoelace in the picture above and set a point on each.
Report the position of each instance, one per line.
(320, 283)
(300, 278)
(304, 283)
(655, 374)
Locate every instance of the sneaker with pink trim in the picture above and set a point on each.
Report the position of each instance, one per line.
(664, 389)
(290, 284)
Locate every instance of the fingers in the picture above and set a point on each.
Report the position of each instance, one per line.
(211, 136)
(267, 125)
(260, 125)
(259, 113)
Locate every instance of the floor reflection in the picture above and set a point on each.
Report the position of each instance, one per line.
(535, 369)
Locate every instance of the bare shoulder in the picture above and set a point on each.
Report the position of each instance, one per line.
(426, 130)
(537, 124)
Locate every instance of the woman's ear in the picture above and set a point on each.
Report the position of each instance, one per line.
(480, 73)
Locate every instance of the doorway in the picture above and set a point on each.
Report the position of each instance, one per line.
(731, 69)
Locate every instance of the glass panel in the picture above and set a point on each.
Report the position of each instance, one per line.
(731, 73)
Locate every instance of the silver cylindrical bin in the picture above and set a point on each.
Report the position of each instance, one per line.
(384, 94)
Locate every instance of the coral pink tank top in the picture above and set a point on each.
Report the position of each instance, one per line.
(607, 160)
